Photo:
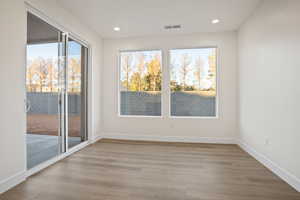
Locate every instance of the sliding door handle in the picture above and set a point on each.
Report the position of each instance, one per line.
(27, 105)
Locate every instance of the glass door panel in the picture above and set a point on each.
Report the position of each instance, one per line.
(43, 91)
(76, 76)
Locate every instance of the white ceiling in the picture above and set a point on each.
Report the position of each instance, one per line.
(148, 17)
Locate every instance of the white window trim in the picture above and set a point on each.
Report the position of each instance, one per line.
(165, 53)
(217, 85)
(119, 91)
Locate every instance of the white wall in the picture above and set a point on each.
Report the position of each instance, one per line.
(269, 70)
(150, 128)
(13, 21)
(268, 48)
(12, 88)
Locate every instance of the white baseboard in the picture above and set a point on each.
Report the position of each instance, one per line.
(274, 167)
(12, 181)
(291, 179)
(96, 139)
(169, 138)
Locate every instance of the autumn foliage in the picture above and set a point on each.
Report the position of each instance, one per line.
(141, 75)
(44, 75)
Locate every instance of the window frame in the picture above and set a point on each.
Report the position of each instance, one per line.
(217, 83)
(119, 77)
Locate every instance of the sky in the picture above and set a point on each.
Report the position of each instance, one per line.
(50, 50)
(194, 55)
(175, 61)
(148, 56)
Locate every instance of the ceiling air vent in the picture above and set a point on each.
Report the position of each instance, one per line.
(172, 27)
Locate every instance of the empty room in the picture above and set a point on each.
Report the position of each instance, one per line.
(149, 100)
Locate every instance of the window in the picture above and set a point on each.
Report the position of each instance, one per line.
(193, 82)
(140, 83)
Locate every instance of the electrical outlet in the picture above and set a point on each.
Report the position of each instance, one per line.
(267, 141)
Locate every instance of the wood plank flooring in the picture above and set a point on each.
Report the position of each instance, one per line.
(129, 170)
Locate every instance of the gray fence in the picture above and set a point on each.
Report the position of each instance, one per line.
(47, 103)
(132, 103)
(188, 104)
(140, 103)
(182, 104)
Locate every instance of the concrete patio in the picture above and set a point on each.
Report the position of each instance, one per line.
(41, 148)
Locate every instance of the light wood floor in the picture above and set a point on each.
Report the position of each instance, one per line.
(123, 170)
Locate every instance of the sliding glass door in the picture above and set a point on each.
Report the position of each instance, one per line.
(56, 92)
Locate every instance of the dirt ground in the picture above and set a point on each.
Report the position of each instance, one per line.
(49, 124)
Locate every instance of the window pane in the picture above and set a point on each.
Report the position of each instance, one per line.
(140, 83)
(193, 82)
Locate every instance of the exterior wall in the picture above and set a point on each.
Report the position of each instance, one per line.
(269, 46)
(223, 127)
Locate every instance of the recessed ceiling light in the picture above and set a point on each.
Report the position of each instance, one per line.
(215, 21)
(117, 29)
